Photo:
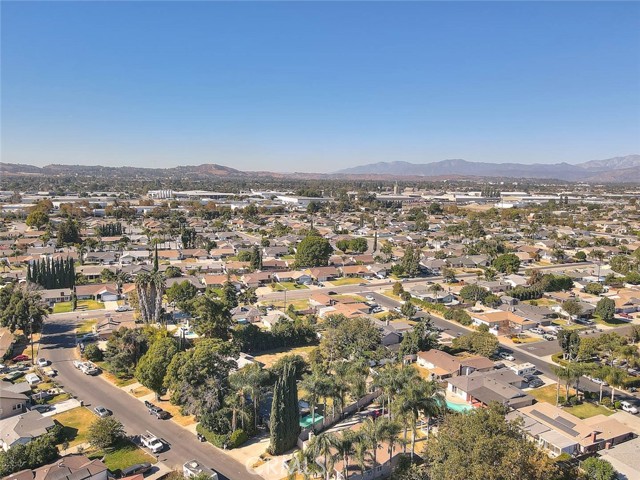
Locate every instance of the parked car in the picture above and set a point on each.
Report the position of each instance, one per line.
(158, 412)
(123, 308)
(78, 363)
(13, 376)
(537, 331)
(535, 383)
(42, 408)
(627, 407)
(20, 358)
(42, 362)
(102, 412)
(599, 381)
(506, 356)
(41, 396)
(549, 337)
(138, 468)
(371, 298)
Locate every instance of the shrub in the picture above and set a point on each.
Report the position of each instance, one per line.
(617, 405)
(237, 438)
(215, 439)
(606, 401)
(93, 353)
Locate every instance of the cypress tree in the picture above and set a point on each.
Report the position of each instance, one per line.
(155, 260)
(285, 416)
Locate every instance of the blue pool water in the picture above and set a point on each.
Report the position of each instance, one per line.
(458, 407)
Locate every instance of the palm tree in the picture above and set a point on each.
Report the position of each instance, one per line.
(311, 384)
(616, 378)
(390, 433)
(598, 255)
(418, 397)
(322, 446)
(372, 432)
(150, 289)
(254, 378)
(344, 444)
(361, 450)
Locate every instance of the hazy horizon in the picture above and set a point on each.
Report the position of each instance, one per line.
(317, 87)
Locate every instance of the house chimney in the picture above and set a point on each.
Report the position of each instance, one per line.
(593, 437)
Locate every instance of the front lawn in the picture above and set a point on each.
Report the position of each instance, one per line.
(86, 327)
(117, 381)
(282, 286)
(269, 357)
(548, 393)
(123, 455)
(75, 424)
(347, 281)
(83, 305)
(587, 410)
(614, 322)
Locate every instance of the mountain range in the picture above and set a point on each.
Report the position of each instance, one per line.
(612, 170)
(617, 169)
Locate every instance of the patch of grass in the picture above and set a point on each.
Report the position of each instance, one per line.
(123, 455)
(548, 393)
(83, 305)
(587, 410)
(299, 304)
(268, 358)
(86, 327)
(612, 323)
(349, 298)
(347, 281)
(141, 391)
(389, 293)
(282, 286)
(75, 424)
(111, 377)
(58, 398)
(176, 416)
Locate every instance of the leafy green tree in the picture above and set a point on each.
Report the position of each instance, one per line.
(595, 468)
(68, 232)
(343, 245)
(37, 452)
(482, 343)
(411, 261)
(473, 293)
(285, 416)
(313, 251)
(569, 342)
(572, 307)
(105, 432)
(606, 309)
(256, 258)
(93, 353)
(349, 339)
(420, 339)
(621, 264)
(454, 454)
(197, 377)
(153, 365)
(213, 317)
(21, 309)
(408, 309)
(397, 289)
(358, 245)
(507, 263)
(230, 294)
(37, 219)
(181, 294)
(594, 288)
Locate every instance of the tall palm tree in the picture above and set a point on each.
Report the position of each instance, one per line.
(371, 433)
(419, 397)
(615, 377)
(344, 444)
(311, 384)
(390, 433)
(255, 378)
(150, 289)
(322, 446)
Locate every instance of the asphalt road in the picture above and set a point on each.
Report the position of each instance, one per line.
(58, 345)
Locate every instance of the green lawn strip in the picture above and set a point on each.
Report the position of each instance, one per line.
(63, 307)
(86, 327)
(124, 454)
(75, 424)
(83, 305)
(347, 281)
(587, 410)
(281, 286)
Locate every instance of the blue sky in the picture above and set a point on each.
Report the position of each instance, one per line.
(318, 86)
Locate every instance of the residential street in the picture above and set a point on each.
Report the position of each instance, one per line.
(58, 345)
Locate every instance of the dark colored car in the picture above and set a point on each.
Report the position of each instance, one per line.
(136, 469)
(535, 383)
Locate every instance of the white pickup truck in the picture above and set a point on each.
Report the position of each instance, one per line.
(152, 442)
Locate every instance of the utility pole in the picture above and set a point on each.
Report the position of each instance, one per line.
(31, 329)
(285, 299)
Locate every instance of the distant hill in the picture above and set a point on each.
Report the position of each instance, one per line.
(618, 169)
(612, 170)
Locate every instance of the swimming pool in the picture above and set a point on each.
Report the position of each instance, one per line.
(305, 421)
(458, 407)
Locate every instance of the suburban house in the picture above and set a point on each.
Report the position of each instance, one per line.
(69, 467)
(323, 274)
(244, 314)
(257, 279)
(423, 292)
(560, 432)
(442, 365)
(110, 324)
(12, 402)
(103, 292)
(22, 428)
(7, 340)
(56, 295)
(479, 389)
(503, 322)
